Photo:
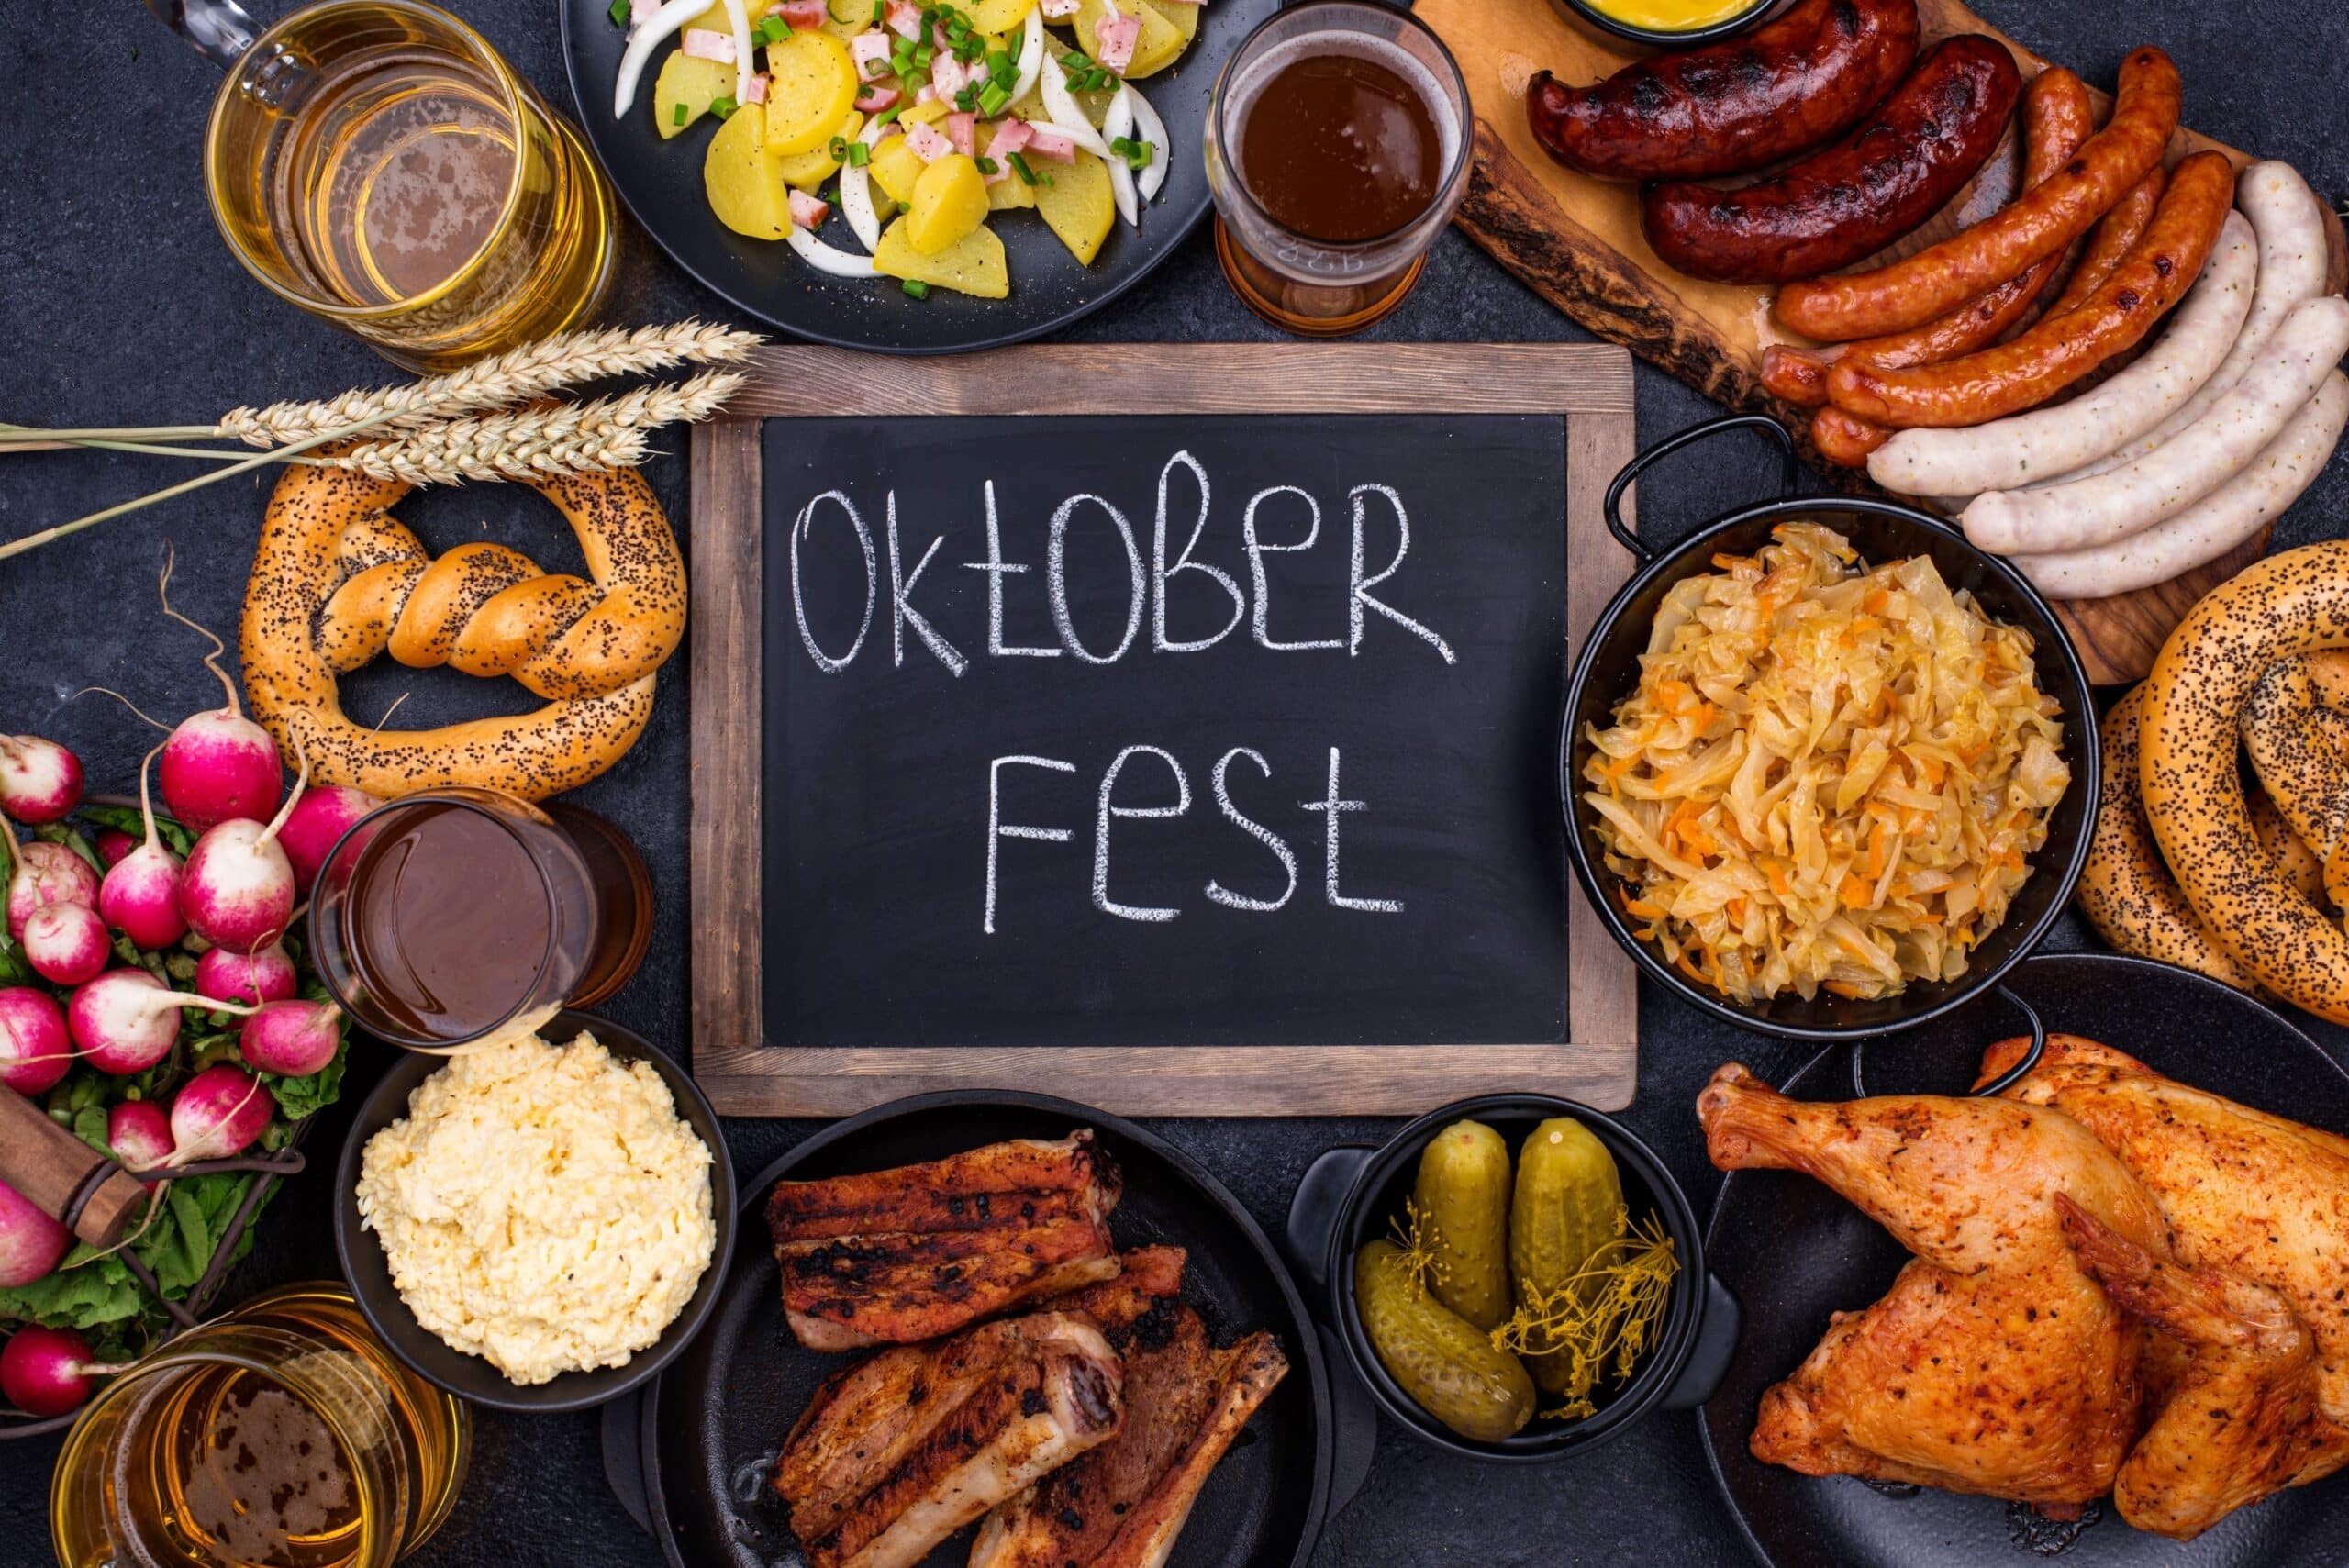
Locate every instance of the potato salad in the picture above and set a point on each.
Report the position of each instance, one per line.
(880, 138)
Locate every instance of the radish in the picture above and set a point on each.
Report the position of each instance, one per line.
(47, 1372)
(219, 764)
(39, 780)
(46, 873)
(67, 943)
(113, 844)
(140, 1134)
(140, 896)
(264, 976)
(217, 1114)
(237, 888)
(32, 1243)
(35, 1050)
(295, 1039)
(319, 819)
(125, 1021)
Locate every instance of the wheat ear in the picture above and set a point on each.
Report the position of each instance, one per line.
(531, 443)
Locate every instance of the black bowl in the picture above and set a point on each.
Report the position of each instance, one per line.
(1349, 1196)
(1609, 666)
(469, 1376)
(1609, 29)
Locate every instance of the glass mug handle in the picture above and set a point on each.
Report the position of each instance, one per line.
(224, 33)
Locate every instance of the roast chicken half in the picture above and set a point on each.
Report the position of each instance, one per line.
(2120, 1283)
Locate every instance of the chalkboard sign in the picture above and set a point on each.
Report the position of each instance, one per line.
(1185, 759)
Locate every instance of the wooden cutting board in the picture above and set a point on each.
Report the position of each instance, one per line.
(1577, 242)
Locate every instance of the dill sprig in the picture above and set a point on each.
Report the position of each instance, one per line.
(1606, 1312)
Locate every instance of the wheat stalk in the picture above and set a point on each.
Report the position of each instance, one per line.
(531, 443)
(515, 376)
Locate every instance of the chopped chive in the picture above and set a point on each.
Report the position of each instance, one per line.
(1136, 154)
(1076, 59)
(876, 12)
(923, 55)
(724, 105)
(915, 289)
(998, 64)
(619, 13)
(859, 155)
(993, 99)
(1027, 175)
(966, 100)
(888, 117)
(677, 116)
(987, 165)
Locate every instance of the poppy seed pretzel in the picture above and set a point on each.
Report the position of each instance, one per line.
(337, 581)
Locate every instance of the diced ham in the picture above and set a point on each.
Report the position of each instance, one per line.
(871, 52)
(704, 44)
(1011, 135)
(904, 19)
(757, 92)
(929, 144)
(938, 43)
(873, 97)
(962, 130)
(808, 212)
(1046, 142)
(800, 14)
(929, 94)
(1061, 10)
(946, 75)
(1114, 38)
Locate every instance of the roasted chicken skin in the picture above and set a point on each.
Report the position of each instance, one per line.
(1122, 1505)
(902, 1448)
(1996, 1364)
(898, 1256)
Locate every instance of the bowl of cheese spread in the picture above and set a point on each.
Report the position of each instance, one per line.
(537, 1222)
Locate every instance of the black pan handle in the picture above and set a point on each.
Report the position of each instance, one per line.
(1998, 1085)
(1789, 470)
(1353, 1434)
(624, 1456)
(1313, 1210)
(1716, 1346)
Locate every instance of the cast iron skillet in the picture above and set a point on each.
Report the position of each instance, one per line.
(1608, 668)
(661, 182)
(713, 1423)
(1794, 1252)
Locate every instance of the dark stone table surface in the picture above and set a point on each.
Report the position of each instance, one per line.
(119, 305)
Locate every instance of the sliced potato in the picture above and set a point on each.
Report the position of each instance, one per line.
(1185, 19)
(894, 168)
(715, 21)
(972, 264)
(858, 15)
(950, 200)
(743, 191)
(1010, 194)
(811, 169)
(930, 113)
(690, 84)
(997, 16)
(1161, 43)
(811, 88)
(1079, 204)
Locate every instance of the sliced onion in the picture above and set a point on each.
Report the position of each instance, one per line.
(827, 258)
(1031, 53)
(856, 193)
(1152, 179)
(1066, 115)
(740, 15)
(1118, 122)
(662, 24)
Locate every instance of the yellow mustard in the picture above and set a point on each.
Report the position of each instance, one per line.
(1672, 16)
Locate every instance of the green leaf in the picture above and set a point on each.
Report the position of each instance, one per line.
(59, 833)
(14, 969)
(90, 1127)
(299, 1097)
(76, 1297)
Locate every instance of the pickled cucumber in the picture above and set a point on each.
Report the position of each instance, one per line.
(1569, 1203)
(1463, 1191)
(1444, 1363)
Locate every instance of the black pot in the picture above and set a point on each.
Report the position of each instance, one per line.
(1349, 1194)
(1613, 32)
(1607, 667)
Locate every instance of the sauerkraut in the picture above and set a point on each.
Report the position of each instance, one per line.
(1829, 777)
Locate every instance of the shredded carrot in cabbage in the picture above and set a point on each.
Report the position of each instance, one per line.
(1828, 776)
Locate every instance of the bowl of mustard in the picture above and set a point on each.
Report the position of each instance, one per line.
(1663, 24)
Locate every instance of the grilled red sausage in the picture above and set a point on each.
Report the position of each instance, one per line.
(1735, 105)
(1852, 199)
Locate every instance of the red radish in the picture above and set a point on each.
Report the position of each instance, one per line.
(39, 780)
(47, 1372)
(219, 764)
(140, 896)
(46, 873)
(126, 1020)
(35, 1050)
(294, 1038)
(113, 844)
(217, 1114)
(140, 1134)
(264, 975)
(67, 943)
(32, 1243)
(321, 817)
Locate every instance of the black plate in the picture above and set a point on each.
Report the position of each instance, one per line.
(716, 1418)
(661, 182)
(469, 1376)
(1794, 1252)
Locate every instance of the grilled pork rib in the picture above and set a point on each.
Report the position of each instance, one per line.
(900, 1451)
(1121, 1504)
(898, 1256)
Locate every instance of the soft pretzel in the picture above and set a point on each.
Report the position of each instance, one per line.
(337, 581)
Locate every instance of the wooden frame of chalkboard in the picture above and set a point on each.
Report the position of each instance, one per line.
(1586, 386)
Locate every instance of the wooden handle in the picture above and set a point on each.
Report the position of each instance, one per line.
(62, 1176)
